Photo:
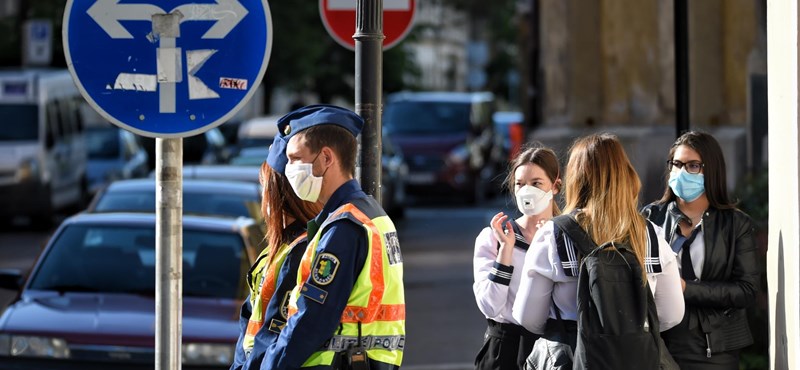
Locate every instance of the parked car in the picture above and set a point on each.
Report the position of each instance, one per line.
(42, 149)
(114, 154)
(258, 132)
(393, 180)
(251, 156)
(447, 139)
(216, 172)
(206, 148)
(200, 197)
(90, 304)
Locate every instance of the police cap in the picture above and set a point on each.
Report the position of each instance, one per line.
(303, 118)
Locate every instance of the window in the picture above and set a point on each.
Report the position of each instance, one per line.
(19, 122)
(427, 117)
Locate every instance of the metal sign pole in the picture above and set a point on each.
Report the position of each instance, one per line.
(681, 67)
(167, 99)
(169, 252)
(369, 86)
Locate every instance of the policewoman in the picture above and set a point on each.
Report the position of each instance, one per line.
(348, 308)
(274, 274)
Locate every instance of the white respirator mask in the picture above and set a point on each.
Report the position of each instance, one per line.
(532, 200)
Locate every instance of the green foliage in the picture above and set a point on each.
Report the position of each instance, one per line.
(303, 58)
(753, 195)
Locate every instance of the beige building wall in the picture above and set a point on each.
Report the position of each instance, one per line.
(611, 62)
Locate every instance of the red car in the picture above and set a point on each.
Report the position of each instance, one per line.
(447, 139)
(89, 302)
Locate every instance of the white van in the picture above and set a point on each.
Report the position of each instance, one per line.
(42, 152)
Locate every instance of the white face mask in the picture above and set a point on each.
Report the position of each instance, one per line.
(304, 183)
(532, 200)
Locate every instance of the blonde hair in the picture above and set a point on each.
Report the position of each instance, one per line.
(604, 186)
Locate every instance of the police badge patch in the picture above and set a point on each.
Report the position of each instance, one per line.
(325, 269)
(285, 305)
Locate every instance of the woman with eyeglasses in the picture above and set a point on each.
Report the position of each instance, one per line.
(714, 244)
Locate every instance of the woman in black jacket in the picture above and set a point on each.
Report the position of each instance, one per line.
(717, 253)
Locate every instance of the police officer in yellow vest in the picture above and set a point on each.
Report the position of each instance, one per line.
(348, 308)
(274, 274)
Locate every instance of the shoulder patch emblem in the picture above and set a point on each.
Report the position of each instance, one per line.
(325, 269)
(284, 309)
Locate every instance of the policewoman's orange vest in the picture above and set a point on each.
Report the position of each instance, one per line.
(262, 288)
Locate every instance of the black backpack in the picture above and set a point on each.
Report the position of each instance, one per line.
(617, 319)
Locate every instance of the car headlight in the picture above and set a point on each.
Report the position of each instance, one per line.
(29, 346)
(207, 354)
(458, 156)
(28, 169)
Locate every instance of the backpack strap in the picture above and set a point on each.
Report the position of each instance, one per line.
(576, 233)
(652, 258)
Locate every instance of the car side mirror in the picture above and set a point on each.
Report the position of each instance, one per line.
(10, 279)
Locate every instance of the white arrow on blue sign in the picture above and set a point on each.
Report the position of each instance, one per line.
(161, 83)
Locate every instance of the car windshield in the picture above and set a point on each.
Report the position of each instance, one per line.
(20, 122)
(122, 259)
(194, 203)
(409, 117)
(102, 143)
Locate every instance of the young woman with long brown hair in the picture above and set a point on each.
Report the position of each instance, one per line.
(533, 179)
(601, 192)
(273, 275)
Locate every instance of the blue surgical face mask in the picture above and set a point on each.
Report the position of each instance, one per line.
(687, 186)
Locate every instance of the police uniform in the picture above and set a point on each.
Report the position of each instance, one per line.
(265, 311)
(349, 294)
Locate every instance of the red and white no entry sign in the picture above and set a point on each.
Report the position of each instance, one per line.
(339, 18)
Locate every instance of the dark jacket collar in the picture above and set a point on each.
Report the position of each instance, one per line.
(669, 215)
(344, 194)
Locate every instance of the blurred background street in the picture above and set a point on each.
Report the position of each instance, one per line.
(444, 327)
(470, 84)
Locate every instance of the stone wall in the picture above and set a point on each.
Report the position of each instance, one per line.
(612, 62)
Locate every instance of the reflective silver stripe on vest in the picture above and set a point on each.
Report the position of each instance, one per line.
(339, 343)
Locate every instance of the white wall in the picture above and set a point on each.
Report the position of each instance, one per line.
(784, 208)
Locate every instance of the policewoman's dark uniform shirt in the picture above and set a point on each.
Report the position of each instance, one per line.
(275, 315)
(315, 322)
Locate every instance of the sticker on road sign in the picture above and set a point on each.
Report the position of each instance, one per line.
(167, 68)
(233, 83)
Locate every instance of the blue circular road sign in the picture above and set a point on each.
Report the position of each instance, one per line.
(167, 68)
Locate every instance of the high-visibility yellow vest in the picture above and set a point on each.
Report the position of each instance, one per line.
(377, 300)
(262, 284)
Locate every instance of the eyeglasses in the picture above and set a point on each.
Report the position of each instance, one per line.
(691, 166)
